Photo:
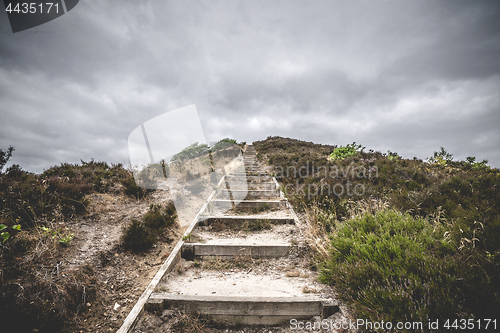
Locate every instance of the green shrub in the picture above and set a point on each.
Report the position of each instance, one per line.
(394, 267)
(140, 236)
(224, 143)
(192, 151)
(391, 156)
(132, 190)
(64, 237)
(157, 217)
(441, 157)
(471, 162)
(346, 151)
(5, 235)
(137, 237)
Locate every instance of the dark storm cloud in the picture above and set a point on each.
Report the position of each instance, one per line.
(409, 76)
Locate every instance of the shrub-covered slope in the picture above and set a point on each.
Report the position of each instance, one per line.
(406, 239)
(39, 289)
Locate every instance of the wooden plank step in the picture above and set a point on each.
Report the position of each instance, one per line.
(257, 186)
(234, 310)
(250, 178)
(238, 220)
(243, 174)
(190, 251)
(248, 203)
(251, 193)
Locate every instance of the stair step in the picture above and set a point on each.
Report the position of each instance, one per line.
(248, 203)
(233, 310)
(249, 178)
(251, 193)
(260, 186)
(241, 185)
(189, 251)
(230, 220)
(250, 173)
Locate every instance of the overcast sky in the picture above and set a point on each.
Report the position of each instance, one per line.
(406, 76)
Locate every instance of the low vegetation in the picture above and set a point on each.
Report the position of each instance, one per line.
(140, 236)
(201, 149)
(400, 239)
(403, 268)
(223, 144)
(60, 191)
(34, 209)
(346, 151)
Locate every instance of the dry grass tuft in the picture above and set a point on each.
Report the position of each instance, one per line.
(321, 222)
(358, 208)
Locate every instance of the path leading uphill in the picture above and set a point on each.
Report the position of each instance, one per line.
(244, 264)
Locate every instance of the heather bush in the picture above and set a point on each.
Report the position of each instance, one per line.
(132, 189)
(137, 237)
(158, 217)
(60, 190)
(140, 236)
(395, 267)
(435, 254)
(32, 293)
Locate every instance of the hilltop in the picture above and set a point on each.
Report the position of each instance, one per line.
(399, 239)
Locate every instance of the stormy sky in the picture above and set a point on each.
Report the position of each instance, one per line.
(405, 76)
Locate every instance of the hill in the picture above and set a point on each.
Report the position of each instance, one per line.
(401, 240)
(80, 242)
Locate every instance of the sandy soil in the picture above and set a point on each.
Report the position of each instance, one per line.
(284, 234)
(282, 277)
(121, 276)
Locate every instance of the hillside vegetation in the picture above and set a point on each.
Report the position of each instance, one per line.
(400, 239)
(79, 239)
(43, 287)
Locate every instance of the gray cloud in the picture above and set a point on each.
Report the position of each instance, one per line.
(409, 76)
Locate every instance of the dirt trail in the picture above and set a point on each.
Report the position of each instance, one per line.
(121, 276)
